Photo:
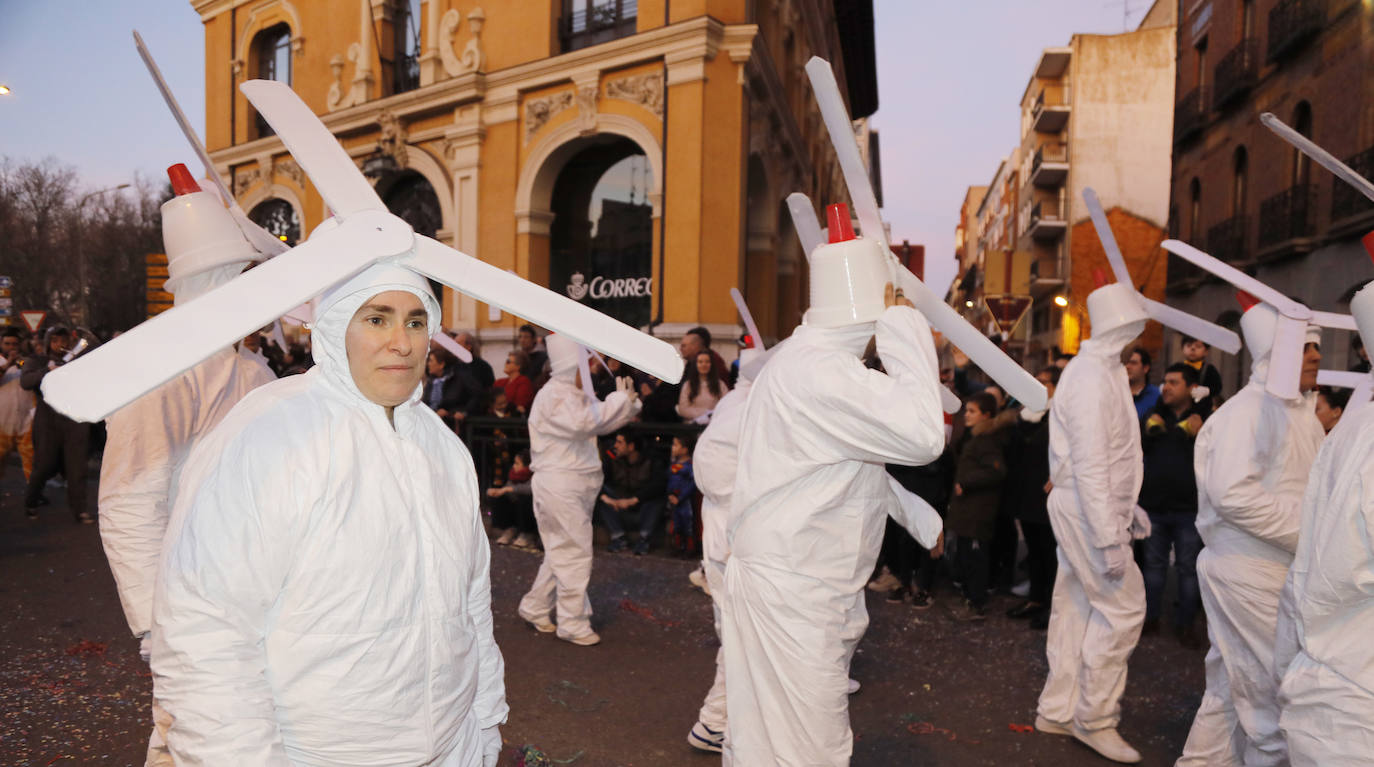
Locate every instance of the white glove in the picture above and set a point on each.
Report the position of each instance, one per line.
(626, 385)
(1115, 559)
(491, 746)
(145, 646)
(1201, 393)
(1140, 524)
(703, 419)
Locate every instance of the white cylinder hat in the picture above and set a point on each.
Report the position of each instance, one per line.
(1113, 306)
(848, 276)
(198, 233)
(563, 352)
(1362, 307)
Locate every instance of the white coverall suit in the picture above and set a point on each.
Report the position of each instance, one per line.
(324, 592)
(1328, 689)
(809, 510)
(564, 425)
(1252, 460)
(1096, 466)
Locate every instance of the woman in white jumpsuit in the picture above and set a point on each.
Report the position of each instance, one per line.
(1252, 460)
(324, 594)
(564, 424)
(1096, 466)
(810, 502)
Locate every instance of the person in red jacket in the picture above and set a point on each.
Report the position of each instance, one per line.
(518, 387)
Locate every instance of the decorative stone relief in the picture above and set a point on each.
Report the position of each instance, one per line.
(392, 141)
(245, 178)
(539, 111)
(356, 94)
(645, 90)
(586, 108)
(473, 58)
(291, 170)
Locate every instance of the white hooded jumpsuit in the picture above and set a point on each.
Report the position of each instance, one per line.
(1328, 689)
(809, 505)
(1252, 459)
(564, 424)
(324, 592)
(148, 443)
(1096, 466)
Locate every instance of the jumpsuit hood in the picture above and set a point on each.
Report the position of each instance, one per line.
(1257, 327)
(338, 306)
(1113, 341)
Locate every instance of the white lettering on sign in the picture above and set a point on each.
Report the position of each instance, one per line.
(602, 288)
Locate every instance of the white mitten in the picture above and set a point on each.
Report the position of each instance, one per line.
(491, 746)
(1115, 559)
(1140, 524)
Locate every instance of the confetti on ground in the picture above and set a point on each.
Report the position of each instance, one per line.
(1021, 728)
(628, 605)
(564, 693)
(529, 756)
(88, 648)
(926, 728)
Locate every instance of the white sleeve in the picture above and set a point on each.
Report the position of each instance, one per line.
(489, 706)
(222, 569)
(915, 515)
(1090, 458)
(617, 410)
(1238, 459)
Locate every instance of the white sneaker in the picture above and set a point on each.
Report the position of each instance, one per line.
(543, 625)
(507, 536)
(854, 686)
(1107, 742)
(884, 583)
(703, 738)
(698, 579)
(585, 640)
(1052, 727)
(1021, 589)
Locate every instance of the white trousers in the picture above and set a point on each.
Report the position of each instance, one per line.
(563, 511)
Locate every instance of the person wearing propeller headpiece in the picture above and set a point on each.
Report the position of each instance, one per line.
(1252, 460)
(1327, 675)
(809, 503)
(565, 421)
(271, 644)
(150, 439)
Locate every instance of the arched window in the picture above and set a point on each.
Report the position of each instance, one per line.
(272, 55)
(279, 218)
(1195, 210)
(1239, 187)
(412, 198)
(406, 25)
(1302, 123)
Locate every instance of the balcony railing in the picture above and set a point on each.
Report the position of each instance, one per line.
(407, 73)
(1050, 164)
(1346, 202)
(1046, 222)
(1235, 74)
(584, 24)
(1050, 112)
(1226, 240)
(1292, 23)
(1288, 216)
(1189, 114)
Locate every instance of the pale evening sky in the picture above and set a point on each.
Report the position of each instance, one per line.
(950, 77)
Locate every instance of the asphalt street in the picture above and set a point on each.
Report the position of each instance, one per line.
(935, 692)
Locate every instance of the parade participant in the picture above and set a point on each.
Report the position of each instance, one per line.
(1252, 460)
(1327, 692)
(149, 440)
(324, 593)
(59, 442)
(1098, 604)
(809, 503)
(564, 423)
(16, 405)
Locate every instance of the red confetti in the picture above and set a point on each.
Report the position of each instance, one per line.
(87, 647)
(1021, 728)
(644, 612)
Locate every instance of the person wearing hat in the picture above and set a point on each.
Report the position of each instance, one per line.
(150, 438)
(564, 423)
(324, 590)
(1252, 460)
(810, 502)
(1098, 605)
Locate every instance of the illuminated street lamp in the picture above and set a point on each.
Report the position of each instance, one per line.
(4, 90)
(1061, 301)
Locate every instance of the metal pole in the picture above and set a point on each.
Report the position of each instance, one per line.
(81, 260)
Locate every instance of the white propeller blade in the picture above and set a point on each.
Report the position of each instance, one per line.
(1341, 379)
(1285, 358)
(545, 308)
(584, 372)
(1245, 282)
(344, 188)
(1334, 320)
(804, 221)
(261, 239)
(158, 350)
(1212, 334)
(446, 342)
(1361, 397)
(748, 318)
(1001, 368)
(1321, 156)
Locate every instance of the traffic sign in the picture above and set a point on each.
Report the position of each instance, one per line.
(6, 282)
(4, 292)
(6, 302)
(34, 319)
(1007, 309)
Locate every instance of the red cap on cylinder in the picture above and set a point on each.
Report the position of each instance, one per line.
(1368, 241)
(182, 180)
(1247, 301)
(837, 218)
(1099, 277)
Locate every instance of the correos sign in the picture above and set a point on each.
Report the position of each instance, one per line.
(601, 288)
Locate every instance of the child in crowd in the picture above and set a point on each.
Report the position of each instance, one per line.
(512, 505)
(682, 490)
(978, 475)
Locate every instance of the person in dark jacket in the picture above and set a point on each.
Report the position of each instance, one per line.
(1169, 495)
(1028, 489)
(1195, 355)
(979, 473)
(58, 441)
(635, 483)
(447, 392)
(907, 560)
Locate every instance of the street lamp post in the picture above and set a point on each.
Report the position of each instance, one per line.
(81, 252)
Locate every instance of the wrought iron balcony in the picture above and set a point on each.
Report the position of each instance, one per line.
(1287, 216)
(1235, 74)
(1346, 202)
(1226, 240)
(407, 73)
(1182, 275)
(1046, 221)
(584, 24)
(1190, 113)
(1292, 23)
(1050, 113)
(1050, 165)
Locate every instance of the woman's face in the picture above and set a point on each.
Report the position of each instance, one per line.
(703, 364)
(973, 415)
(511, 368)
(1328, 415)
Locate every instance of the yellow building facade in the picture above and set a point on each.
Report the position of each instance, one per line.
(631, 155)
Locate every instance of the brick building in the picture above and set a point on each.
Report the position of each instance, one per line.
(1240, 192)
